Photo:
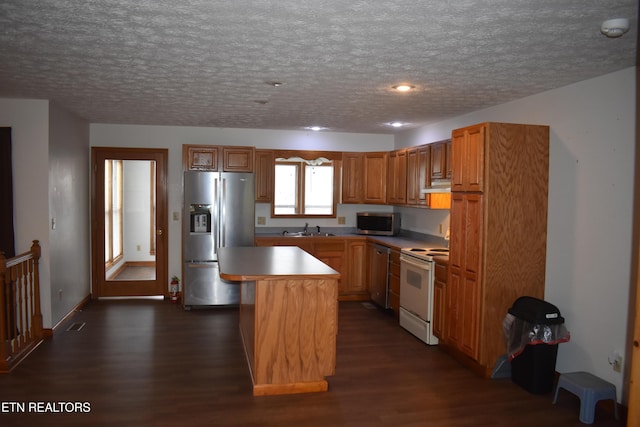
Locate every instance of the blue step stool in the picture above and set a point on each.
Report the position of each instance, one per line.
(590, 389)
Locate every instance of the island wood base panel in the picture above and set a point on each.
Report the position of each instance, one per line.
(295, 388)
(289, 328)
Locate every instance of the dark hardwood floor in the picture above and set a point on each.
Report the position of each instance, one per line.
(149, 363)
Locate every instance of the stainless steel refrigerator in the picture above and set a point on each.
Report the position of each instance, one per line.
(219, 210)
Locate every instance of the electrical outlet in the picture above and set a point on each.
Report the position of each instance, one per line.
(617, 366)
(262, 220)
(60, 293)
(341, 220)
(138, 248)
(615, 360)
(440, 229)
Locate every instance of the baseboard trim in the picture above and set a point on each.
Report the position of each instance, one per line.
(48, 333)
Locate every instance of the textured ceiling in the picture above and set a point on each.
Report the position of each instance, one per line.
(208, 62)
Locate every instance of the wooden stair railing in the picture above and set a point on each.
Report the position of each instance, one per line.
(20, 315)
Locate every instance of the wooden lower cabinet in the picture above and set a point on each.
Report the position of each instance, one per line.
(346, 255)
(332, 253)
(463, 286)
(394, 281)
(355, 286)
(439, 301)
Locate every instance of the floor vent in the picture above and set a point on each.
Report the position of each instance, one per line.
(369, 305)
(76, 326)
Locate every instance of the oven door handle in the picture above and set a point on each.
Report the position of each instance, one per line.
(423, 265)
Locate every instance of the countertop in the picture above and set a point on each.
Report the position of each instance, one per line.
(403, 240)
(254, 263)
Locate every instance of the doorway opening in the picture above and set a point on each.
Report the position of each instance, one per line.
(129, 222)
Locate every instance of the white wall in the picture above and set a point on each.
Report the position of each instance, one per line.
(69, 208)
(29, 122)
(173, 137)
(591, 169)
(426, 221)
(50, 179)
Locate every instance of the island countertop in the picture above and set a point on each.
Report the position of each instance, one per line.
(253, 263)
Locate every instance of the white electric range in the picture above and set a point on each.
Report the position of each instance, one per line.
(416, 291)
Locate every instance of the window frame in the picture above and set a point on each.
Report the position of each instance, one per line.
(336, 160)
(113, 211)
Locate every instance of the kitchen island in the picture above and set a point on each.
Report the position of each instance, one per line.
(288, 316)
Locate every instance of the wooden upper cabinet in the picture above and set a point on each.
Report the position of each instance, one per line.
(375, 177)
(438, 161)
(352, 177)
(264, 175)
(237, 159)
(214, 158)
(397, 178)
(364, 177)
(200, 157)
(468, 147)
(448, 160)
(413, 188)
(418, 175)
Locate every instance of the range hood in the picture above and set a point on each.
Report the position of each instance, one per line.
(445, 187)
(439, 195)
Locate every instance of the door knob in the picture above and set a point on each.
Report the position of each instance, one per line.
(159, 232)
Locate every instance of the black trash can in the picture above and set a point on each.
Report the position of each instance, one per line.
(533, 329)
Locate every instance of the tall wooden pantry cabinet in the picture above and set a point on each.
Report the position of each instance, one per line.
(498, 234)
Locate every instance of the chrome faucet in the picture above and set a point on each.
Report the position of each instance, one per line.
(306, 226)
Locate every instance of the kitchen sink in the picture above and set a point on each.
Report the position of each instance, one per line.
(307, 234)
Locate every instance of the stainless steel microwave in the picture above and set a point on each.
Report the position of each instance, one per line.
(378, 223)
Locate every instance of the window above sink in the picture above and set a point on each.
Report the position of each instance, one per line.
(306, 184)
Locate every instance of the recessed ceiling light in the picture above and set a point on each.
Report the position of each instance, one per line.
(396, 124)
(275, 84)
(315, 128)
(403, 87)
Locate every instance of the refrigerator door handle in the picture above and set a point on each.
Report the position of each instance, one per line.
(216, 218)
(223, 212)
